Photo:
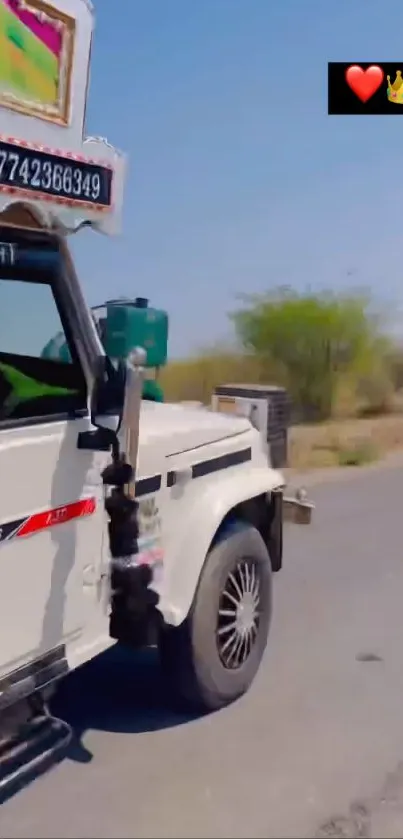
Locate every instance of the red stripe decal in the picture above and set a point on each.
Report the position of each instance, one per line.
(59, 515)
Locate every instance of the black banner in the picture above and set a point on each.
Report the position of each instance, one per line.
(365, 88)
(50, 174)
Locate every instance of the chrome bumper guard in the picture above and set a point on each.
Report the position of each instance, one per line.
(297, 509)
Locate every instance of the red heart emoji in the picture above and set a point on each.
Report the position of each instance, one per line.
(364, 83)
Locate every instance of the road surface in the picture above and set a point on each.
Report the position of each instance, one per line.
(315, 749)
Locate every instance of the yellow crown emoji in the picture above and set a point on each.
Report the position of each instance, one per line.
(395, 90)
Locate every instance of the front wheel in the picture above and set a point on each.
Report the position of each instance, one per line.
(213, 657)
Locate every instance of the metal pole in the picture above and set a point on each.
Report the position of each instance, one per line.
(131, 410)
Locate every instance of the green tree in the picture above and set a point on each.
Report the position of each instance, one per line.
(312, 340)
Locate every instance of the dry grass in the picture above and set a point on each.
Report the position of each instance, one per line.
(345, 442)
(196, 378)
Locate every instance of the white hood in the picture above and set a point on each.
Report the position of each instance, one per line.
(177, 428)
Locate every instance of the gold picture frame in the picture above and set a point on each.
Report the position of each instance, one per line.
(36, 59)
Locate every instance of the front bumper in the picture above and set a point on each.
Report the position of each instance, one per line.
(297, 509)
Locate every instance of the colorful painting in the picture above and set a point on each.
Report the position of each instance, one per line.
(36, 51)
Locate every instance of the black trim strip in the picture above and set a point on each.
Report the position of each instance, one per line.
(207, 467)
(26, 422)
(214, 464)
(9, 529)
(250, 391)
(145, 486)
(171, 479)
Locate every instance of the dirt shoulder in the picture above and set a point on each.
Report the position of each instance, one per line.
(343, 442)
(309, 477)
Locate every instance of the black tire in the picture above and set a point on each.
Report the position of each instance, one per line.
(197, 670)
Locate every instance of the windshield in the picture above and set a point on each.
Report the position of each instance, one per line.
(31, 384)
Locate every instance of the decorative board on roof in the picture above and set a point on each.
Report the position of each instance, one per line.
(45, 161)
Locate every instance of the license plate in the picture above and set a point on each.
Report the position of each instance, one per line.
(40, 172)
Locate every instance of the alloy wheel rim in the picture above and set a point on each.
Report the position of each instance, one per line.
(239, 615)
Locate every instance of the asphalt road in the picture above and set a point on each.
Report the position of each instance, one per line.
(315, 749)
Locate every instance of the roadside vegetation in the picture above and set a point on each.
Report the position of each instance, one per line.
(335, 356)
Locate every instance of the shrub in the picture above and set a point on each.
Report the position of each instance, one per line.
(313, 341)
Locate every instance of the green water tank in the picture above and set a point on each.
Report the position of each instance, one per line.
(135, 324)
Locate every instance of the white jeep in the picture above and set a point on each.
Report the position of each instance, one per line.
(120, 519)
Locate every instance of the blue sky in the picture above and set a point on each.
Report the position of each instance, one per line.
(238, 180)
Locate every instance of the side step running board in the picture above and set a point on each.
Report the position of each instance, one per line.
(26, 755)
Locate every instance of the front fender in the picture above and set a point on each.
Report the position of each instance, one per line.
(187, 552)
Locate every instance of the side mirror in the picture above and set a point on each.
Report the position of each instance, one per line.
(107, 401)
(116, 402)
(108, 395)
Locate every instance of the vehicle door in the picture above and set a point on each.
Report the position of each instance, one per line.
(51, 510)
